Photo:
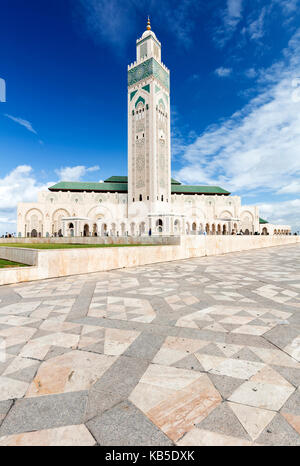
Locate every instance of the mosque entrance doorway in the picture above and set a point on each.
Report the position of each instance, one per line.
(71, 229)
(159, 225)
(86, 230)
(33, 233)
(95, 229)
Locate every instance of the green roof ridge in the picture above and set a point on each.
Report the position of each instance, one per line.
(116, 179)
(120, 184)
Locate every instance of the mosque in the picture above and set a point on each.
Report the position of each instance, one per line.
(148, 201)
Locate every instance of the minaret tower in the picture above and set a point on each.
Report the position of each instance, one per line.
(149, 159)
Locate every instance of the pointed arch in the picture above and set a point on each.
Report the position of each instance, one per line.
(140, 99)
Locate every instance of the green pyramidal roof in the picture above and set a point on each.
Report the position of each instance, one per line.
(124, 179)
(116, 179)
(78, 186)
(174, 181)
(118, 184)
(188, 189)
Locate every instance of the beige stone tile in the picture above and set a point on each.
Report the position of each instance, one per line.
(274, 356)
(269, 375)
(236, 320)
(262, 395)
(251, 330)
(42, 313)
(10, 388)
(18, 321)
(237, 368)
(89, 329)
(184, 344)
(74, 371)
(18, 364)
(117, 341)
(169, 377)
(294, 348)
(35, 350)
(216, 327)
(174, 349)
(224, 310)
(185, 408)
(168, 356)
(55, 327)
(202, 438)
(293, 420)
(254, 420)
(61, 436)
(228, 349)
(209, 362)
(86, 341)
(39, 347)
(19, 308)
(16, 335)
(172, 299)
(146, 396)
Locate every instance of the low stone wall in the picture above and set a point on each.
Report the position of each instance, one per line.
(63, 262)
(21, 255)
(215, 245)
(97, 240)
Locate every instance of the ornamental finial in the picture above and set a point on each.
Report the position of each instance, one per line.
(148, 24)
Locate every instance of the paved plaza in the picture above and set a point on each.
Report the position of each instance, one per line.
(203, 351)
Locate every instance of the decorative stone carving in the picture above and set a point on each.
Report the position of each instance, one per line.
(149, 68)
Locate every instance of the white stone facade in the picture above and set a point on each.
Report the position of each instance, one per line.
(85, 214)
(146, 205)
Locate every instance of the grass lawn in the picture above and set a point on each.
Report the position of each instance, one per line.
(67, 245)
(4, 264)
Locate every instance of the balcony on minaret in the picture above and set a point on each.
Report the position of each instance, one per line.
(148, 46)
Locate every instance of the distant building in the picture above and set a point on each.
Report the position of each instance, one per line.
(148, 199)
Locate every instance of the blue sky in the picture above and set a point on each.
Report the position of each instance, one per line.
(235, 95)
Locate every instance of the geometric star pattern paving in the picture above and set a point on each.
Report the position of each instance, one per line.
(203, 351)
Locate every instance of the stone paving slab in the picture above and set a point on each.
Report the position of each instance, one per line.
(195, 352)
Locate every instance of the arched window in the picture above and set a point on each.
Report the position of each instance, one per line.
(141, 197)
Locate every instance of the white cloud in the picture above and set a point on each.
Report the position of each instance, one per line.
(258, 148)
(256, 27)
(230, 17)
(2, 90)
(292, 188)
(288, 6)
(106, 21)
(19, 185)
(115, 22)
(223, 72)
(22, 122)
(283, 213)
(234, 8)
(251, 73)
(75, 173)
